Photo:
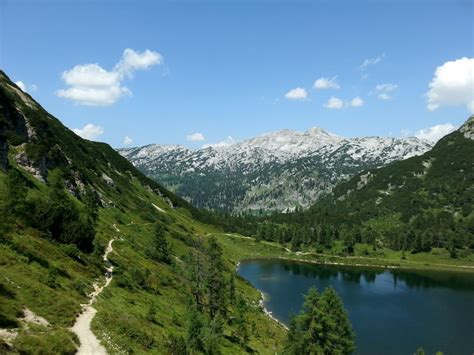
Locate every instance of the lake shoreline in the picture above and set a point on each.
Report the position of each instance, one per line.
(372, 296)
(282, 252)
(413, 266)
(269, 313)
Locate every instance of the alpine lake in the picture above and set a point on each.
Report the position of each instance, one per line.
(393, 311)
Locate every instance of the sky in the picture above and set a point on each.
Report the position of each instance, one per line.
(131, 73)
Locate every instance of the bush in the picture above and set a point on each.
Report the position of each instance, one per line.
(58, 341)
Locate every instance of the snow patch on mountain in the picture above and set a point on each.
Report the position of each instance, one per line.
(278, 170)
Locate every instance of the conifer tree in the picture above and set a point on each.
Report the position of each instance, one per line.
(322, 327)
(160, 250)
(215, 279)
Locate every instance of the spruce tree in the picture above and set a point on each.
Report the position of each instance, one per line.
(160, 250)
(341, 335)
(322, 327)
(215, 279)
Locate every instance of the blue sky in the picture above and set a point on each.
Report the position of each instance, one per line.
(222, 68)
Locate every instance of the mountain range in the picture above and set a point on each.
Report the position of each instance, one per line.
(417, 204)
(279, 171)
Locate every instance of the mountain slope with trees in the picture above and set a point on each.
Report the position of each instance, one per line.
(420, 203)
(63, 199)
(278, 171)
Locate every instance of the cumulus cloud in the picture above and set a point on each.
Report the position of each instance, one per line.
(357, 102)
(228, 141)
(127, 140)
(296, 94)
(384, 91)
(92, 85)
(21, 85)
(371, 61)
(452, 85)
(435, 133)
(89, 131)
(25, 87)
(132, 61)
(326, 83)
(195, 137)
(334, 103)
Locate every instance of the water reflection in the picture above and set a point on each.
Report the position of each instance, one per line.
(412, 278)
(393, 311)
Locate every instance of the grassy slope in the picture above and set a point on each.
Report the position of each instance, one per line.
(53, 280)
(122, 312)
(121, 321)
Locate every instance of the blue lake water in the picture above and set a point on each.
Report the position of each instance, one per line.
(392, 311)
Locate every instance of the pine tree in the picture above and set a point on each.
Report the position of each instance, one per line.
(242, 331)
(322, 327)
(194, 329)
(215, 279)
(160, 250)
(342, 335)
(196, 276)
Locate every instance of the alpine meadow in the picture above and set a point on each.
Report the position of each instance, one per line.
(286, 177)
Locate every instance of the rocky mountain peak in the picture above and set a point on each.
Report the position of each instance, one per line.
(275, 171)
(468, 128)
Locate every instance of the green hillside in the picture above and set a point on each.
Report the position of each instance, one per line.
(63, 200)
(419, 204)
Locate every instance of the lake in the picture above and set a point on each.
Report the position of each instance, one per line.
(392, 311)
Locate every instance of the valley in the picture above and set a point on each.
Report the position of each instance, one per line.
(236, 177)
(134, 268)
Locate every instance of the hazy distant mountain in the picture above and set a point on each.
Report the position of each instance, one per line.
(276, 171)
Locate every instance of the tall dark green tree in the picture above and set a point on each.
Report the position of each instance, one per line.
(342, 335)
(160, 250)
(195, 325)
(216, 284)
(196, 275)
(322, 327)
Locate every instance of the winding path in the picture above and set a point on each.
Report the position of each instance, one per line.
(82, 327)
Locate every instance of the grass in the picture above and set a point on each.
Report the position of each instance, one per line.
(123, 321)
(53, 280)
(239, 248)
(146, 302)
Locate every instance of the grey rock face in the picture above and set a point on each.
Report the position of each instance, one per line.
(277, 171)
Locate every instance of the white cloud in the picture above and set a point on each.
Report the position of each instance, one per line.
(435, 133)
(326, 83)
(334, 103)
(372, 61)
(357, 102)
(296, 94)
(452, 85)
(21, 85)
(132, 61)
(127, 140)
(228, 141)
(92, 85)
(195, 137)
(25, 87)
(89, 131)
(384, 91)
